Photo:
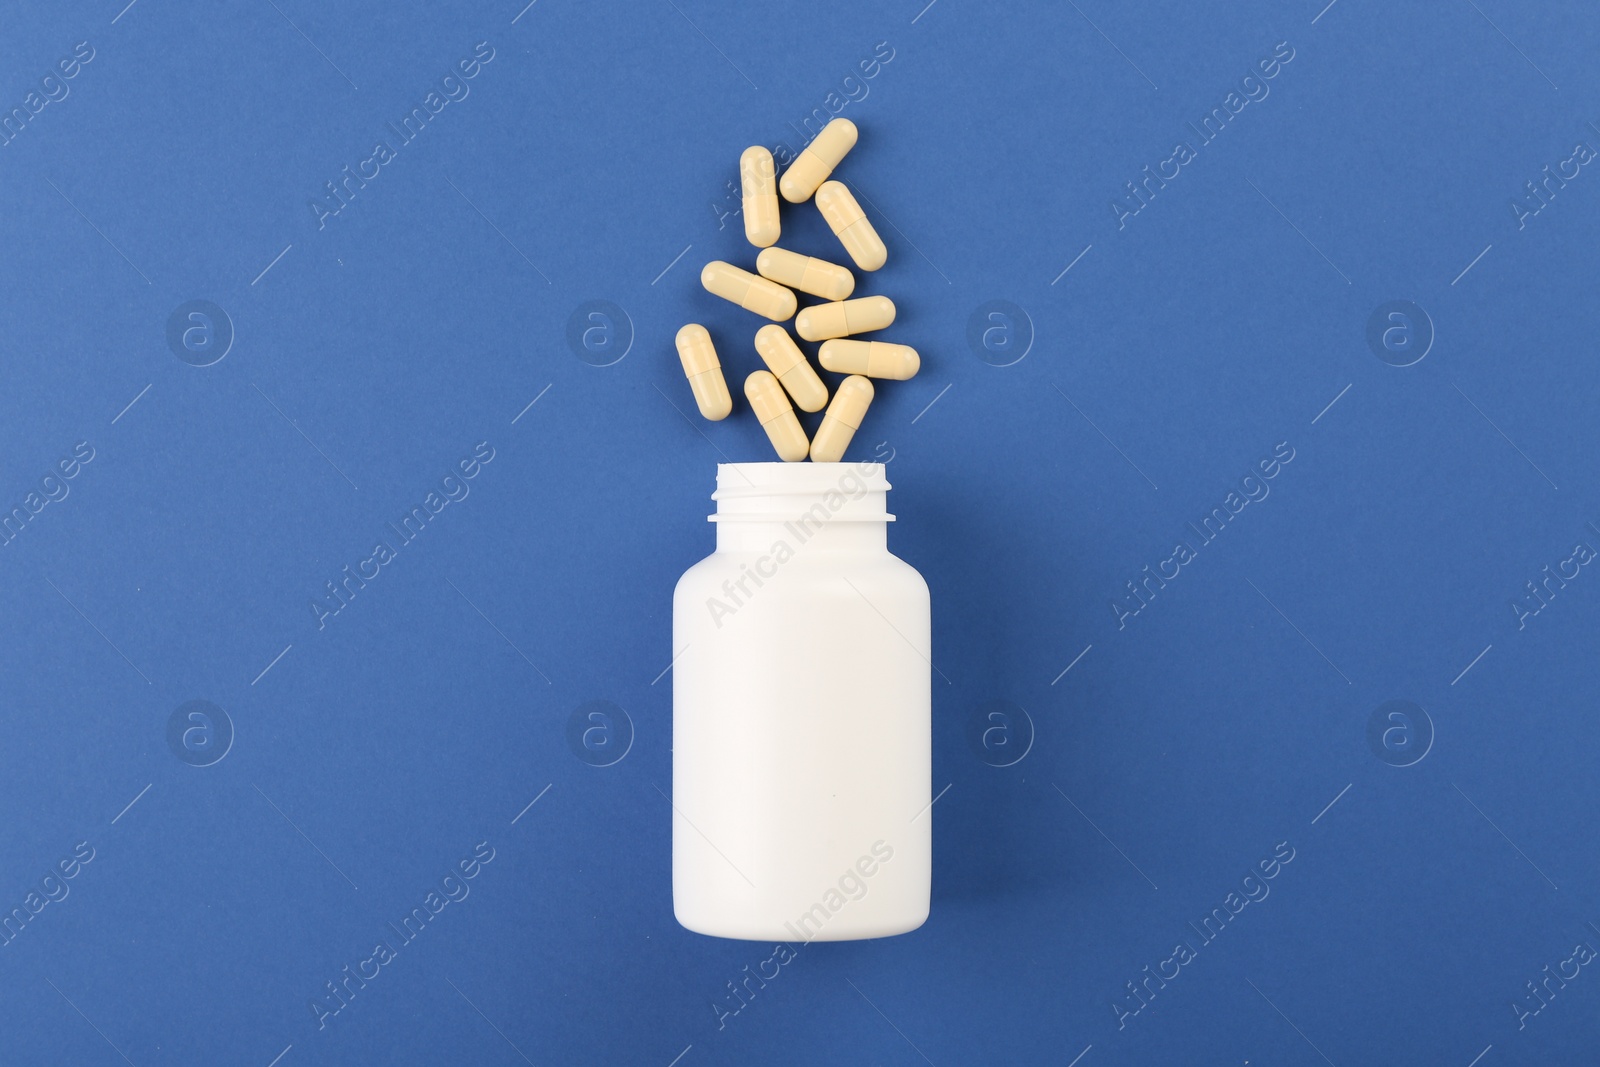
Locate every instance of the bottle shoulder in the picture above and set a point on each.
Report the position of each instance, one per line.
(911, 572)
(880, 567)
(804, 557)
(701, 569)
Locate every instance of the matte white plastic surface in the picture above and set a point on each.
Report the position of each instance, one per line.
(801, 714)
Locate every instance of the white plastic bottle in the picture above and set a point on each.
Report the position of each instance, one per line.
(801, 720)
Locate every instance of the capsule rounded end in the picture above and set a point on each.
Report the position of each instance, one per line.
(826, 355)
(802, 178)
(810, 395)
(911, 363)
(756, 156)
(762, 236)
(784, 306)
(803, 326)
(882, 309)
(872, 259)
(857, 388)
(709, 272)
(711, 395)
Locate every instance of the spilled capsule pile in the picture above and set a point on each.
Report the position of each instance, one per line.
(789, 380)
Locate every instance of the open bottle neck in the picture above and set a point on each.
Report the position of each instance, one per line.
(827, 506)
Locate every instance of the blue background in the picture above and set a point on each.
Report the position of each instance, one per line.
(590, 162)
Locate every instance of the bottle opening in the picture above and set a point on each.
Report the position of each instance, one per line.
(783, 492)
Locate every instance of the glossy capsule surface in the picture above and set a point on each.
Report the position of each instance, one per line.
(875, 359)
(842, 419)
(849, 223)
(772, 408)
(844, 317)
(758, 181)
(784, 359)
(817, 160)
(749, 291)
(806, 273)
(704, 371)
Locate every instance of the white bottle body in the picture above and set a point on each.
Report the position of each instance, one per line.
(802, 747)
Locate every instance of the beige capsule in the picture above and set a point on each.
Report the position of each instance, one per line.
(875, 359)
(849, 223)
(704, 371)
(784, 358)
(813, 165)
(758, 179)
(806, 273)
(842, 419)
(748, 291)
(773, 409)
(844, 317)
